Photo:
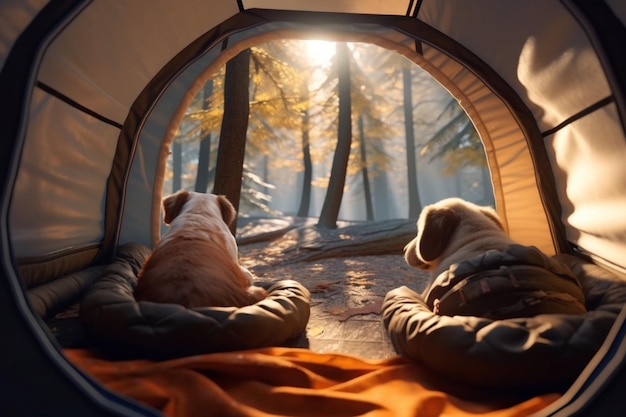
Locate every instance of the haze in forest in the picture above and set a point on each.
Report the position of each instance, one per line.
(335, 131)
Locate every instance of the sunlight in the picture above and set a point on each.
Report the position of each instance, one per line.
(320, 52)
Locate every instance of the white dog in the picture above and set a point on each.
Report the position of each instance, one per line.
(476, 269)
(196, 262)
(453, 230)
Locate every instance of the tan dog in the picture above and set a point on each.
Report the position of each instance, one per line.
(476, 269)
(196, 262)
(453, 230)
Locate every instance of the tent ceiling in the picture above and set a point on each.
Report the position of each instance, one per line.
(391, 7)
(110, 51)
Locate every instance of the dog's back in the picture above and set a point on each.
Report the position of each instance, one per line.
(183, 274)
(195, 264)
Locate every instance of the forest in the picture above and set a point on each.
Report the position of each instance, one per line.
(329, 130)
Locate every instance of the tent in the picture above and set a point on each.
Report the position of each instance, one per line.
(92, 93)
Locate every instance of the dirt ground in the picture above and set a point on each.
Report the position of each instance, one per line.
(346, 291)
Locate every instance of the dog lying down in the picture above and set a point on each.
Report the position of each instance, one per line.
(196, 263)
(477, 270)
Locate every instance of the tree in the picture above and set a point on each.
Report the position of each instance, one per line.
(370, 100)
(411, 165)
(399, 76)
(276, 110)
(369, 210)
(232, 146)
(307, 163)
(177, 162)
(457, 142)
(204, 151)
(332, 201)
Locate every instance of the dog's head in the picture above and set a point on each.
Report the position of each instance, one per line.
(439, 222)
(184, 201)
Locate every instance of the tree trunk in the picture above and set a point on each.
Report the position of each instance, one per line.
(375, 238)
(204, 152)
(266, 174)
(336, 183)
(369, 210)
(411, 165)
(487, 186)
(177, 165)
(305, 198)
(232, 146)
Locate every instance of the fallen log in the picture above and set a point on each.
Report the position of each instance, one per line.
(309, 242)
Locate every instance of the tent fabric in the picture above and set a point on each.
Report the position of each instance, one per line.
(37, 271)
(113, 318)
(548, 350)
(64, 291)
(295, 382)
(586, 196)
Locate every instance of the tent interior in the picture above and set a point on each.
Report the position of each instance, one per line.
(94, 92)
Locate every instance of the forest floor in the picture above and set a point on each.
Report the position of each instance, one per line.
(348, 271)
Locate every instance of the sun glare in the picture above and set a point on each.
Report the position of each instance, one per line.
(320, 52)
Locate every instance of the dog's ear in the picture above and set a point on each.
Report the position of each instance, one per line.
(173, 204)
(434, 231)
(226, 208)
(410, 254)
(493, 216)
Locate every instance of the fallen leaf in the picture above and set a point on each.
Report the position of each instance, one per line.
(314, 331)
(323, 286)
(371, 308)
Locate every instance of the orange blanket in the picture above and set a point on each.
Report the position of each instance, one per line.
(292, 382)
